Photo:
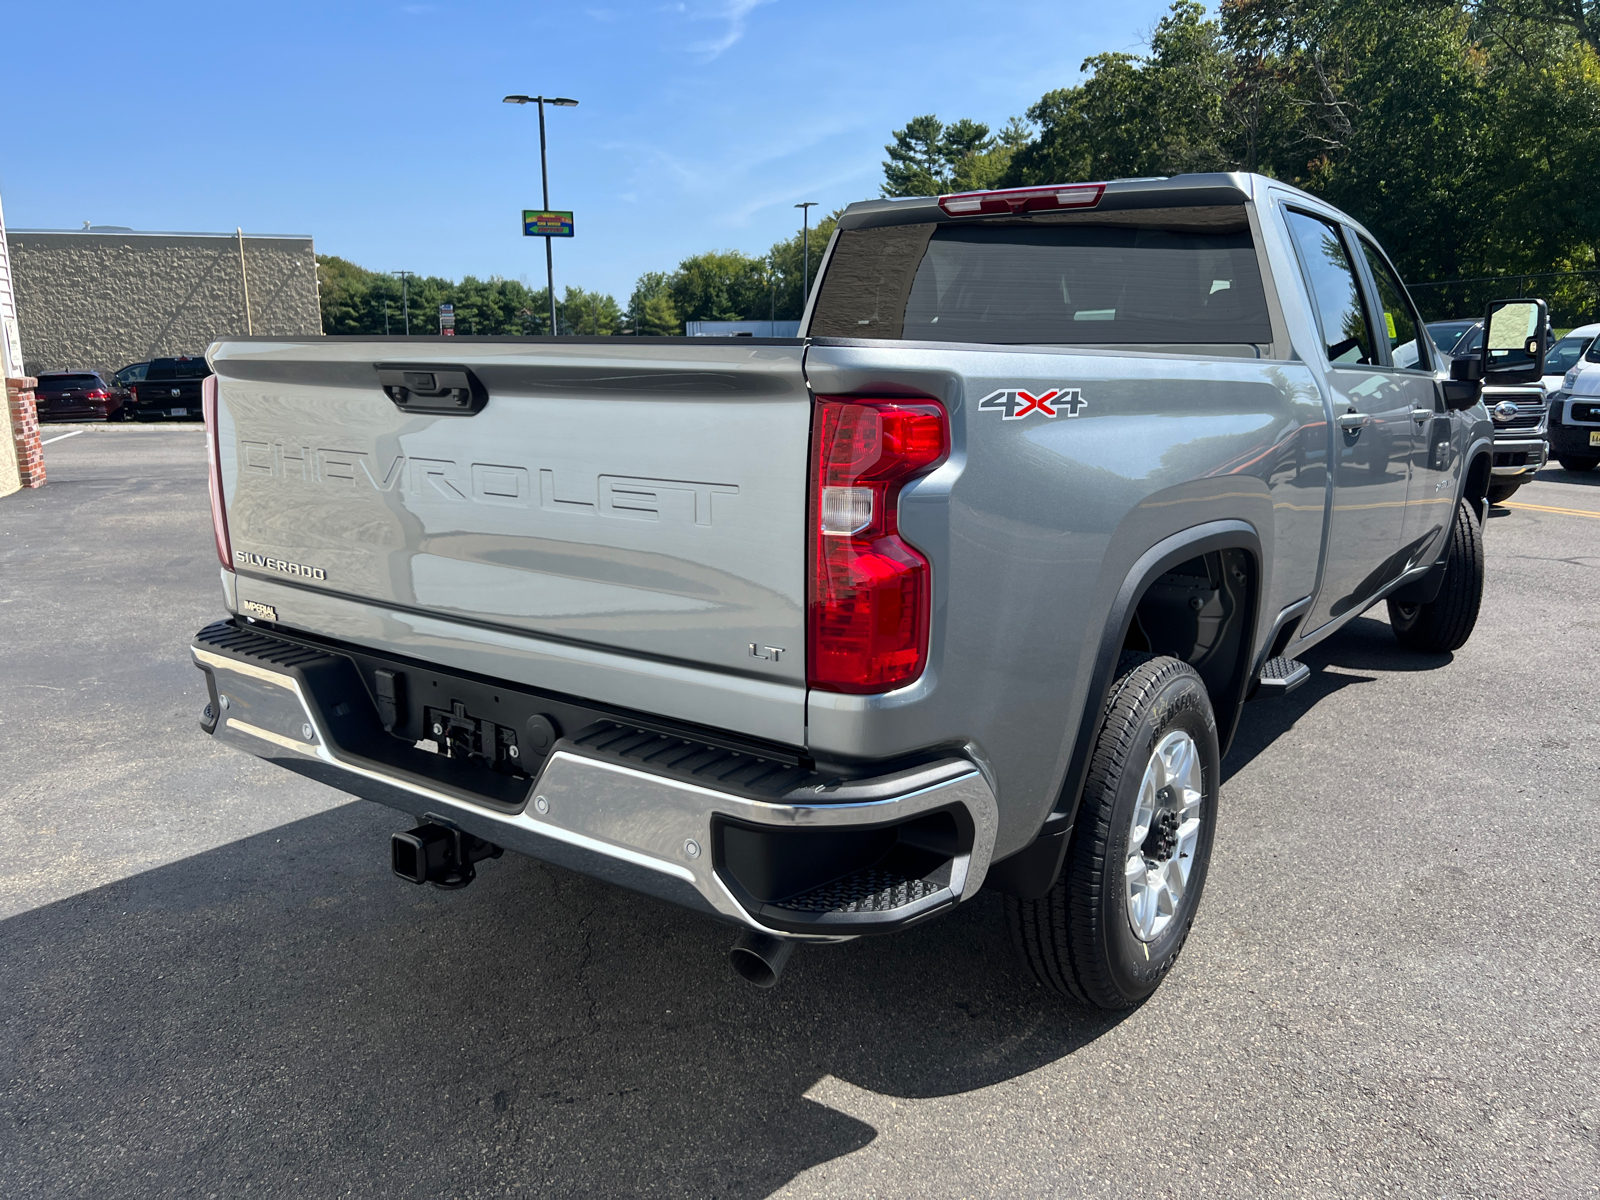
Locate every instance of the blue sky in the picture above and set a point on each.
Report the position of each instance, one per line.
(378, 127)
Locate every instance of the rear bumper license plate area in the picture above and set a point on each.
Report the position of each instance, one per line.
(761, 840)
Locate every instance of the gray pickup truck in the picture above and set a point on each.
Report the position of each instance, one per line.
(965, 587)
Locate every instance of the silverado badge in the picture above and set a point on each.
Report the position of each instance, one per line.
(1016, 403)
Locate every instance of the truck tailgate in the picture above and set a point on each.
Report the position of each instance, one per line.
(641, 496)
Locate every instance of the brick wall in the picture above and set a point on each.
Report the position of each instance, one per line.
(101, 300)
(25, 431)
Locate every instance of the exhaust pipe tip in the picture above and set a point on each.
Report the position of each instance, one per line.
(760, 958)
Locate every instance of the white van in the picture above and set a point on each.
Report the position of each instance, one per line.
(1567, 354)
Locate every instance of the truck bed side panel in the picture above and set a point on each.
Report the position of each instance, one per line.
(1034, 523)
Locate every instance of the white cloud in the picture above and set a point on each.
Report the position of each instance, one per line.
(734, 12)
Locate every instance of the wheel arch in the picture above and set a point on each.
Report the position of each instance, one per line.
(1475, 487)
(1032, 870)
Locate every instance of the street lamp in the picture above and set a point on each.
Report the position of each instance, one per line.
(544, 175)
(405, 296)
(805, 239)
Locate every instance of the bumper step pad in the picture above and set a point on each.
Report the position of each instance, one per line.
(1280, 676)
(864, 892)
(741, 772)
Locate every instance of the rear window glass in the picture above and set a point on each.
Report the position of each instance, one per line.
(173, 368)
(1003, 283)
(69, 381)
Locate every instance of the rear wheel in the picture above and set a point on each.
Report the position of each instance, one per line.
(1575, 463)
(1110, 929)
(1445, 623)
(1502, 490)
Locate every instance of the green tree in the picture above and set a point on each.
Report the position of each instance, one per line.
(1462, 136)
(650, 307)
(929, 158)
(591, 314)
(720, 285)
(786, 259)
(1133, 115)
(917, 165)
(353, 300)
(656, 317)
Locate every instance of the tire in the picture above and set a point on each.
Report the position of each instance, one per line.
(1079, 938)
(1500, 492)
(1577, 463)
(1447, 621)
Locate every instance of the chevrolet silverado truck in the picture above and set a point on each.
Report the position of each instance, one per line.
(966, 586)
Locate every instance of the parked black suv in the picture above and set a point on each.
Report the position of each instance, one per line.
(170, 388)
(76, 396)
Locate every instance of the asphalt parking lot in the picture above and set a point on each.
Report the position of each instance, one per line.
(213, 985)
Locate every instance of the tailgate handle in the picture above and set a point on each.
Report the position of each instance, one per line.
(435, 388)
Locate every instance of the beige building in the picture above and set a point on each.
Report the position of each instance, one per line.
(103, 297)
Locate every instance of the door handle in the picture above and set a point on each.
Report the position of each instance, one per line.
(1421, 414)
(1352, 422)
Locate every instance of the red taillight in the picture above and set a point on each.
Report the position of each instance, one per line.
(870, 594)
(133, 393)
(97, 394)
(1013, 200)
(219, 514)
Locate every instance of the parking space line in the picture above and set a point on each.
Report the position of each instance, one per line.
(60, 436)
(1566, 512)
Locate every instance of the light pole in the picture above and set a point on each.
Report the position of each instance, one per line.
(805, 241)
(544, 175)
(405, 296)
(385, 318)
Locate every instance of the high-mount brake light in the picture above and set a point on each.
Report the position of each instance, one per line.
(1017, 200)
(219, 512)
(870, 591)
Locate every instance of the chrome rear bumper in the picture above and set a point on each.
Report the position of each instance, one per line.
(616, 820)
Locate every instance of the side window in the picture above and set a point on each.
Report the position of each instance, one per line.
(1346, 335)
(1401, 326)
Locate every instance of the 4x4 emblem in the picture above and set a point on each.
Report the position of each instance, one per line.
(1016, 403)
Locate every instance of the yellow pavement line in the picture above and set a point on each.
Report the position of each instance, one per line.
(1566, 512)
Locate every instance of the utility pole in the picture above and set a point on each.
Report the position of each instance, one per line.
(544, 177)
(772, 275)
(405, 296)
(385, 318)
(805, 241)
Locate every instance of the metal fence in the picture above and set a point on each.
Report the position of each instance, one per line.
(1574, 296)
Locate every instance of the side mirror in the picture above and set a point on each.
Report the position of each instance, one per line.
(1464, 387)
(1516, 335)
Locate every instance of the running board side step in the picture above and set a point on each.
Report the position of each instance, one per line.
(1280, 676)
